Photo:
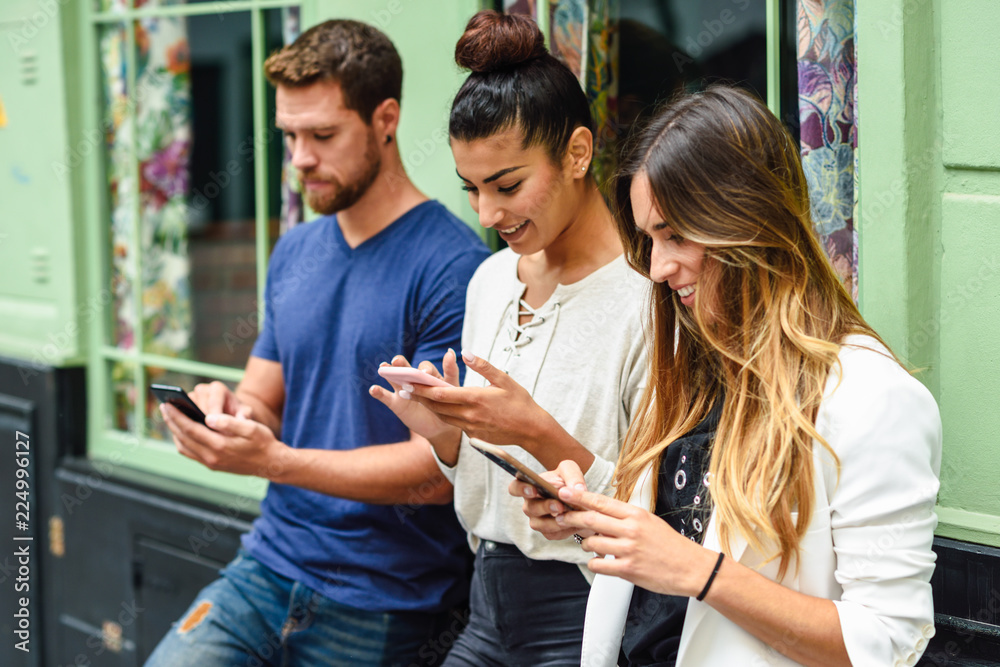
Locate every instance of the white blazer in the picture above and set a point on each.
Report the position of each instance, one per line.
(868, 545)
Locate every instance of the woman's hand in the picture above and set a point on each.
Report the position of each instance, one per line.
(542, 512)
(502, 413)
(444, 437)
(646, 550)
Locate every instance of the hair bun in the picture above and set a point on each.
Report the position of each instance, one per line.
(494, 41)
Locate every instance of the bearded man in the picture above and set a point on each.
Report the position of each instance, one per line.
(357, 557)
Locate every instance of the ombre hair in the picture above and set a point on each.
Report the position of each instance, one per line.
(766, 326)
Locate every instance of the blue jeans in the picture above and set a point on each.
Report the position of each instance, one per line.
(524, 612)
(254, 617)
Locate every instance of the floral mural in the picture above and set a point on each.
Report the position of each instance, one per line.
(156, 118)
(292, 211)
(583, 34)
(829, 139)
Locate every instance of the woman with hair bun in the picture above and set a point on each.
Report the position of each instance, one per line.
(552, 340)
(782, 468)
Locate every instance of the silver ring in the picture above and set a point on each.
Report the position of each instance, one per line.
(576, 536)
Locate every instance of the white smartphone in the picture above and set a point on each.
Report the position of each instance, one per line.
(408, 375)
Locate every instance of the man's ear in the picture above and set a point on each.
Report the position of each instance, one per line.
(580, 151)
(385, 120)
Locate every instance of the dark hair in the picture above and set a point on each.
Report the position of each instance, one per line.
(360, 58)
(515, 82)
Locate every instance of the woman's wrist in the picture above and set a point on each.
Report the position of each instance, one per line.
(711, 577)
(551, 444)
(703, 569)
(447, 445)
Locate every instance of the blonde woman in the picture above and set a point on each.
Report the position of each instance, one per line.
(783, 465)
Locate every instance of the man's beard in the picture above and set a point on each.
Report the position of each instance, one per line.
(345, 196)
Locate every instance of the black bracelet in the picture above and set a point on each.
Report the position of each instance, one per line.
(708, 584)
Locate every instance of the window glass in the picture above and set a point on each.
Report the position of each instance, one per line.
(668, 46)
(123, 395)
(222, 199)
(110, 5)
(182, 197)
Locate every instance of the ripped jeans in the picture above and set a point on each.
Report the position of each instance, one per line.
(253, 617)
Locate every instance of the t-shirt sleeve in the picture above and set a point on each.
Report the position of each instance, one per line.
(441, 311)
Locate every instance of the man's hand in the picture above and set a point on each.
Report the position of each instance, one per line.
(230, 444)
(216, 397)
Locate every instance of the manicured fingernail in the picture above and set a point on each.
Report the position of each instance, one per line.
(554, 507)
(580, 486)
(451, 352)
(468, 357)
(560, 519)
(529, 492)
(408, 388)
(211, 419)
(404, 394)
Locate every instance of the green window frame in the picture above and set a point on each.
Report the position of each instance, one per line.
(133, 449)
(157, 460)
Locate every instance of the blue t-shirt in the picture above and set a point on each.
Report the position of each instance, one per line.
(333, 313)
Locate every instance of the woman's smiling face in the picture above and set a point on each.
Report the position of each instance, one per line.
(515, 190)
(673, 260)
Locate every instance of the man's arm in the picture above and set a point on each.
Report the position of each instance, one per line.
(263, 389)
(403, 472)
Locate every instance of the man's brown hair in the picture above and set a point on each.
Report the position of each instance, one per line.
(358, 57)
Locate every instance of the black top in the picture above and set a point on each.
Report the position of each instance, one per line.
(653, 628)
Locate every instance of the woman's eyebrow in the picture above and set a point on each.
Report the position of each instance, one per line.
(495, 176)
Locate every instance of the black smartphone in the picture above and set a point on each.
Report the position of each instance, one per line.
(520, 471)
(178, 398)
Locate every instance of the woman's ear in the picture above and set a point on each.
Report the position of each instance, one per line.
(385, 120)
(580, 151)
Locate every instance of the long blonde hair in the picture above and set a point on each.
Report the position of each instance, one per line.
(766, 327)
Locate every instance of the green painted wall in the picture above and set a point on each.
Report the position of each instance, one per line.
(42, 310)
(424, 32)
(929, 140)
